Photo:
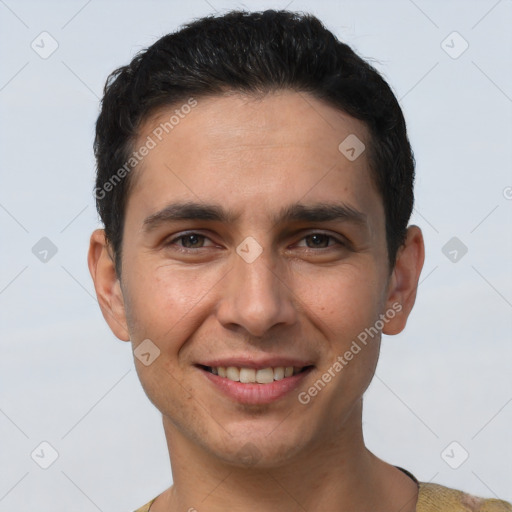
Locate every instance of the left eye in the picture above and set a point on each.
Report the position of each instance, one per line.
(320, 240)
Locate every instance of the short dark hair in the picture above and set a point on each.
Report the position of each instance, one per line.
(255, 53)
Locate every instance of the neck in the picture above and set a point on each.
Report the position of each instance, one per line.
(336, 473)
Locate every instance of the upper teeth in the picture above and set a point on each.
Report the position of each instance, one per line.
(261, 376)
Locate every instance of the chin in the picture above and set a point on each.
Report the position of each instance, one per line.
(261, 448)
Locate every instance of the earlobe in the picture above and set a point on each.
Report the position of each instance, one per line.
(403, 283)
(107, 285)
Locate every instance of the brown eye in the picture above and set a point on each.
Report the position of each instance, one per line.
(192, 241)
(318, 240)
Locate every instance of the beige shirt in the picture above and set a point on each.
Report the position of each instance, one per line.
(436, 498)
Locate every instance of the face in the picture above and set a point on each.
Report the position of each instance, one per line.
(252, 248)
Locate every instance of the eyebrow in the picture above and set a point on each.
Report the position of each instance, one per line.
(321, 212)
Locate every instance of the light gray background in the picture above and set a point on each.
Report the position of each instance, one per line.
(66, 380)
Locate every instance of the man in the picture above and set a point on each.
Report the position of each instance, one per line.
(255, 182)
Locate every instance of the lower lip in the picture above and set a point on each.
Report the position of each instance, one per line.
(256, 393)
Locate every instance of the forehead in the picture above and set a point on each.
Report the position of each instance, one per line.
(243, 122)
(260, 151)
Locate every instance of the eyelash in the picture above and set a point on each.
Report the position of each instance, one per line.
(187, 250)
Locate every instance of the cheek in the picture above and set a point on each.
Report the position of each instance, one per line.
(168, 306)
(165, 303)
(344, 307)
(342, 301)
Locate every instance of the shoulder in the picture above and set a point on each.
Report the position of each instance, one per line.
(437, 498)
(145, 508)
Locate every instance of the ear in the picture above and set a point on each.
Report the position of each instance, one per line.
(403, 282)
(107, 285)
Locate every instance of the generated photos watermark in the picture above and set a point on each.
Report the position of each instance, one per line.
(341, 361)
(152, 141)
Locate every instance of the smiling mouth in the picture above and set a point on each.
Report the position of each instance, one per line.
(255, 375)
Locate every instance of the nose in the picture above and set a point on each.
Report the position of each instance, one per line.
(256, 297)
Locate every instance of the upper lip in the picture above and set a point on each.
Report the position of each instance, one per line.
(253, 362)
